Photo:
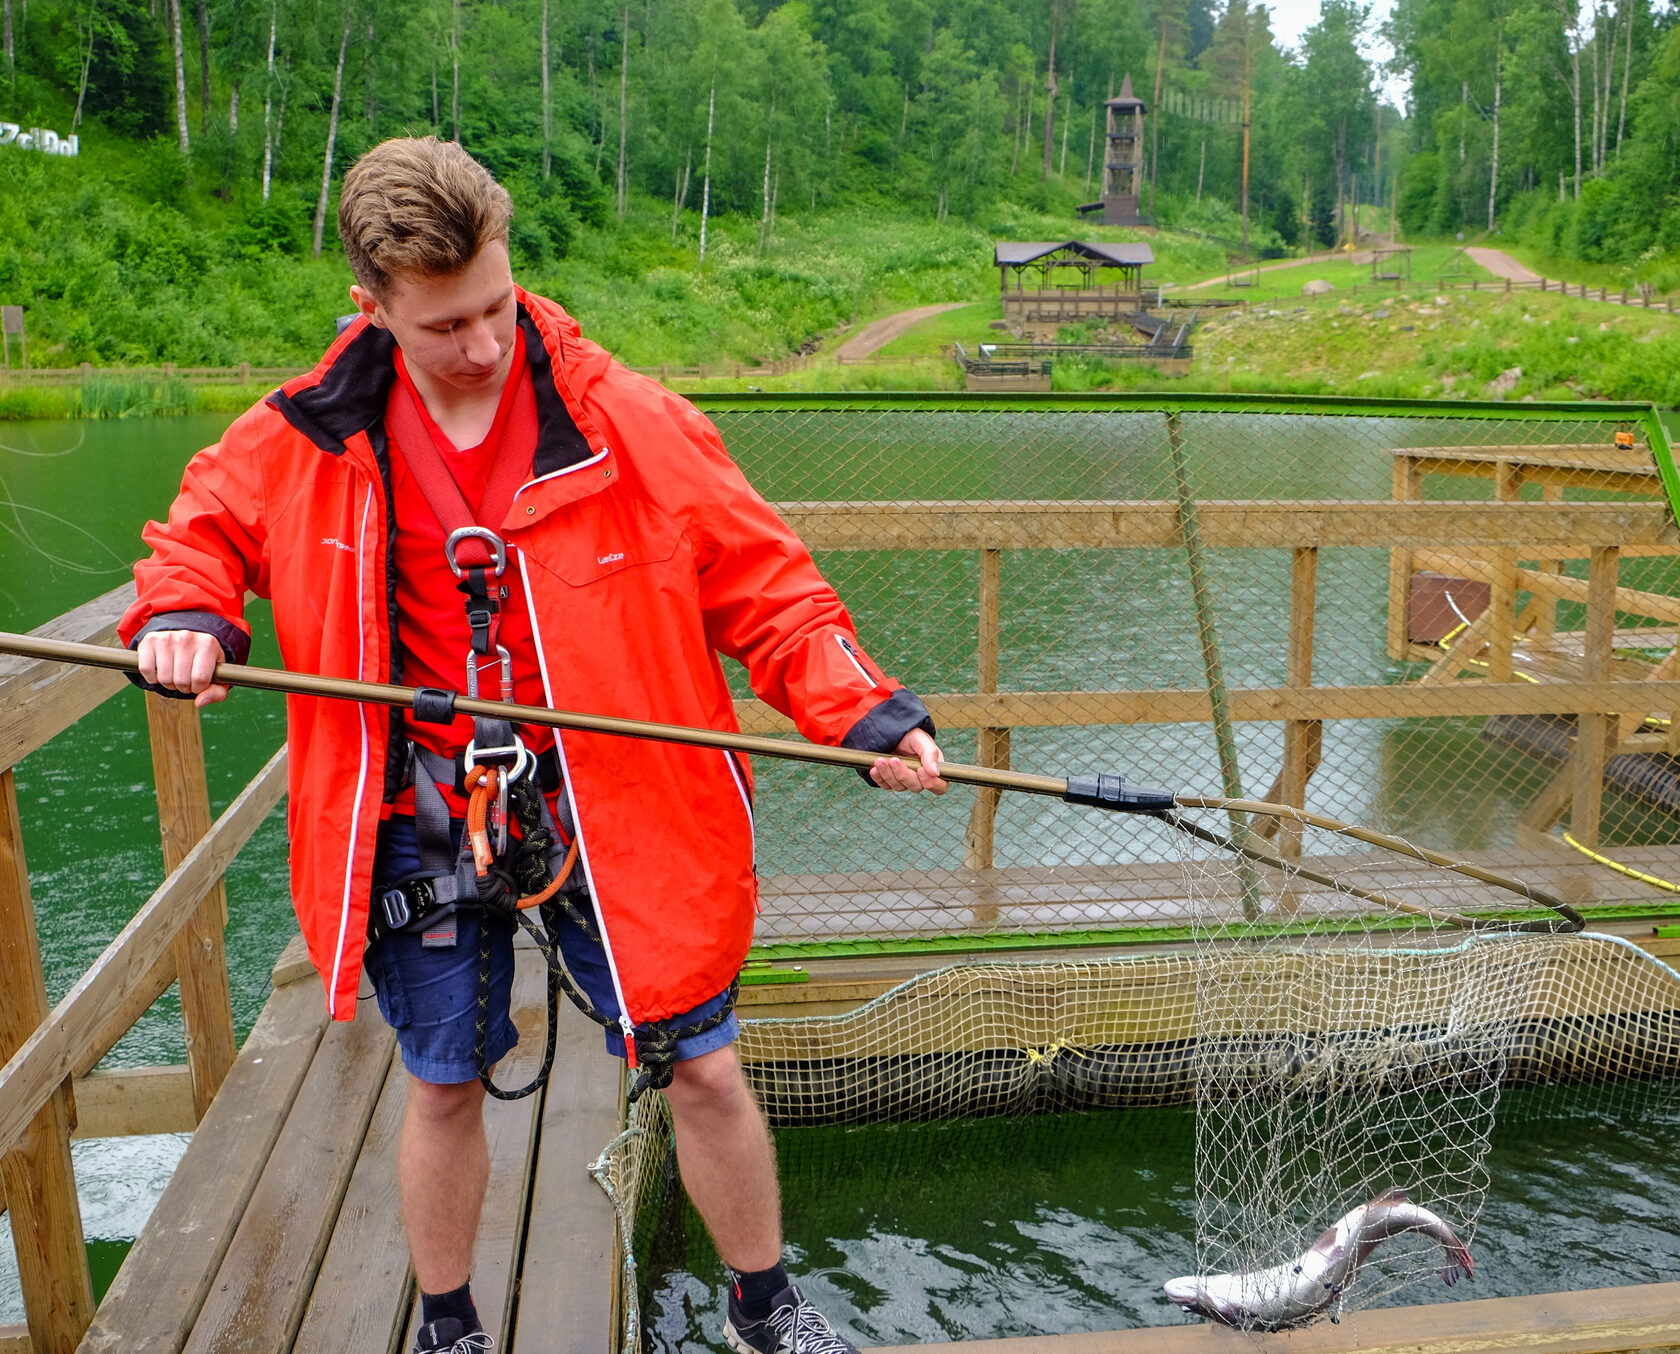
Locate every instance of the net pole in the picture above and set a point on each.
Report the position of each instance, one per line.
(1224, 734)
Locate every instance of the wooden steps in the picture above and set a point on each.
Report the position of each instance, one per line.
(281, 1229)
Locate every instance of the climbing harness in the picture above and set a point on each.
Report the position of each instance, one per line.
(506, 874)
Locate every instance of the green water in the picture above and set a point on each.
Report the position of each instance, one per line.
(913, 1233)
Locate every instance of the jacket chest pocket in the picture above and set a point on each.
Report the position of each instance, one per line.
(596, 540)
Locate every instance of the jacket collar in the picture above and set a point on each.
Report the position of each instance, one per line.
(347, 392)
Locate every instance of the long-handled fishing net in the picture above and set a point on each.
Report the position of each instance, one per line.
(1343, 1019)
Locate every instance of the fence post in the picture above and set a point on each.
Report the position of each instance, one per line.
(1594, 730)
(1507, 286)
(36, 1178)
(994, 742)
(183, 801)
(1502, 601)
(1303, 739)
(1408, 488)
(244, 372)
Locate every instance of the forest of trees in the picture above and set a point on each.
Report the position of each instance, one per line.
(1555, 121)
(741, 106)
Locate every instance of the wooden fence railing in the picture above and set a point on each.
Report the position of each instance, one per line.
(48, 1090)
(69, 376)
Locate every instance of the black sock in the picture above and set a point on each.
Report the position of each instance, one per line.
(751, 1294)
(457, 1302)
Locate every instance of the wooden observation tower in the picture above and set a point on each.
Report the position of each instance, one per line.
(1122, 194)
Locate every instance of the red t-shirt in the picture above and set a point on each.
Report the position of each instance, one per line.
(431, 613)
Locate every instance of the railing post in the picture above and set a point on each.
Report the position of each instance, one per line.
(994, 742)
(1408, 488)
(1502, 601)
(183, 800)
(1303, 739)
(36, 1178)
(1594, 729)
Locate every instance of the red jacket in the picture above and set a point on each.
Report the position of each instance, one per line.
(645, 554)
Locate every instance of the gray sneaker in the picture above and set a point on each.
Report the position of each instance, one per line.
(794, 1326)
(447, 1335)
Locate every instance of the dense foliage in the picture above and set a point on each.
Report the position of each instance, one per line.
(1554, 122)
(661, 150)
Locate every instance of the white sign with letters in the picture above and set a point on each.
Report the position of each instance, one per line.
(38, 138)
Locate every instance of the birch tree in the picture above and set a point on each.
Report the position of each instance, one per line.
(623, 104)
(268, 99)
(180, 75)
(332, 130)
(203, 66)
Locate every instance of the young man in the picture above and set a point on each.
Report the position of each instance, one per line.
(461, 439)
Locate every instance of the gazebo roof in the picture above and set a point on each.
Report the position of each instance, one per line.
(1121, 255)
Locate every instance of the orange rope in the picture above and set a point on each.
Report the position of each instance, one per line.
(478, 782)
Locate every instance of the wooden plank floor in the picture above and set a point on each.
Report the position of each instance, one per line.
(281, 1230)
(1598, 1321)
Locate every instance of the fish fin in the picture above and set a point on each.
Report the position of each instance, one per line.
(1392, 1195)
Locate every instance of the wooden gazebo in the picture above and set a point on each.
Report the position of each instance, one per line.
(1068, 281)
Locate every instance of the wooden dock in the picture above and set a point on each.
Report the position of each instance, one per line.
(280, 1230)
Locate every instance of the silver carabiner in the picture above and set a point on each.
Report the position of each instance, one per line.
(522, 760)
(498, 548)
(506, 661)
(499, 812)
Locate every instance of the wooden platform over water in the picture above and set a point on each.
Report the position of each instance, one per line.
(280, 1231)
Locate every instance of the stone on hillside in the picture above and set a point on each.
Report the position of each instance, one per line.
(1317, 287)
(1503, 384)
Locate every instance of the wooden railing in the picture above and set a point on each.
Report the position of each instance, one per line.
(48, 1090)
(168, 371)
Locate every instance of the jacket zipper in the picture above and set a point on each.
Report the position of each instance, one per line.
(625, 1024)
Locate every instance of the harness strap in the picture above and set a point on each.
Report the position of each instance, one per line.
(442, 494)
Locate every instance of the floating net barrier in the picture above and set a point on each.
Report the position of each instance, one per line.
(1334, 1049)
(1455, 623)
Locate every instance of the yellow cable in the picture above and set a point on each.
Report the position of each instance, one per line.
(1605, 861)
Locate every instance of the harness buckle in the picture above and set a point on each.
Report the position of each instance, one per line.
(522, 759)
(393, 906)
(498, 548)
(504, 658)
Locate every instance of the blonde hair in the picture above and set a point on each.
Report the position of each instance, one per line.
(418, 206)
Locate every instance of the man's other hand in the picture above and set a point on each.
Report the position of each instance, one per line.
(184, 660)
(890, 773)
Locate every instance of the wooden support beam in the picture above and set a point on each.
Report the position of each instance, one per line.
(1598, 1321)
(1303, 739)
(36, 1176)
(1545, 606)
(153, 1302)
(14, 1339)
(1594, 729)
(1634, 601)
(133, 1101)
(1502, 603)
(1408, 487)
(1469, 644)
(1126, 523)
(199, 949)
(38, 701)
(994, 742)
(58, 1044)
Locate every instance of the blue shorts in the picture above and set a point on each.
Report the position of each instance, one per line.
(429, 996)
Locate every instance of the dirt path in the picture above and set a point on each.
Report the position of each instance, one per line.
(1274, 267)
(878, 333)
(1501, 264)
